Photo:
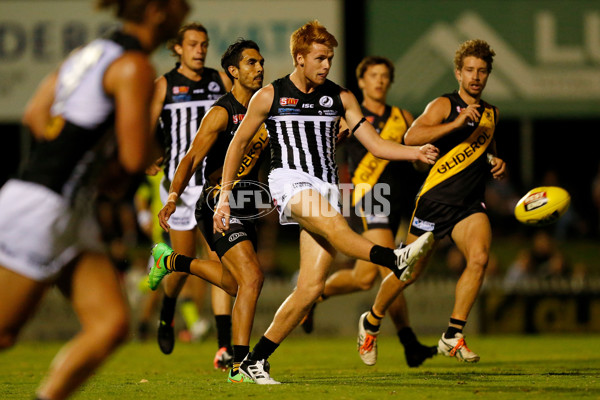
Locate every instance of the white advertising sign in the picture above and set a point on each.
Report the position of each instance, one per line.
(36, 35)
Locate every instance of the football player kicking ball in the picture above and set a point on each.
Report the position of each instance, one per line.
(450, 202)
(375, 76)
(302, 112)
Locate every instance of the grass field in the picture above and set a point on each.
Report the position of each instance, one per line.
(512, 367)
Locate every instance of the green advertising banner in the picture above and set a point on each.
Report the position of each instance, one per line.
(547, 52)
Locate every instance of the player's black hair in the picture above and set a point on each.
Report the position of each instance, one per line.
(233, 54)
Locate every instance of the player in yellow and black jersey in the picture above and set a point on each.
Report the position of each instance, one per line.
(239, 272)
(450, 202)
(388, 198)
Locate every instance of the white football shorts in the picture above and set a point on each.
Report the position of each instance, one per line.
(284, 184)
(183, 218)
(40, 233)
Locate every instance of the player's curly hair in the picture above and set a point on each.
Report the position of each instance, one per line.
(233, 54)
(129, 10)
(374, 60)
(178, 40)
(306, 35)
(476, 48)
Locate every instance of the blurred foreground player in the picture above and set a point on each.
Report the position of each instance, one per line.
(96, 105)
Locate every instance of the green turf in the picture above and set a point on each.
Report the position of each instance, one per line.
(512, 367)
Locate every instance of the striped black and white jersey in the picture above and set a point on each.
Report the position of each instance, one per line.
(186, 102)
(303, 127)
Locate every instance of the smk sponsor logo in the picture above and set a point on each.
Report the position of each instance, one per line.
(181, 89)
(288, 101)
(237, 118)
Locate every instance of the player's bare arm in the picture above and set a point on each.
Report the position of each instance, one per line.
(37, 112)
(386, 149)
(258, 111)
(428, 127)
(130, 81)
(418, 165)
(214, 121)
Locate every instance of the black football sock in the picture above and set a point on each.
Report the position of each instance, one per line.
(383, 256)
(167, 311)
(239, 353)
(263, 349)
(223, 323)
(178, 263)
(372, 322)
(455, 326)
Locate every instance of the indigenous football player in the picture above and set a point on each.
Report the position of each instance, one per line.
(450, 202)
(90, 112)
(183, 95)
(302, 112)
(237, 247)
(376, 220)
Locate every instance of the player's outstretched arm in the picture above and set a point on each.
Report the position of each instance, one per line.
(386, 149)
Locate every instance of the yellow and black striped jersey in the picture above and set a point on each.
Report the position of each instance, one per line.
(459, 175)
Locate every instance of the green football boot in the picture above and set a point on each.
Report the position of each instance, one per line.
(238, 377)
(159, 268)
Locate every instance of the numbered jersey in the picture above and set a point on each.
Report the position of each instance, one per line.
(186, 102)
(303, 127)
(80, 137)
